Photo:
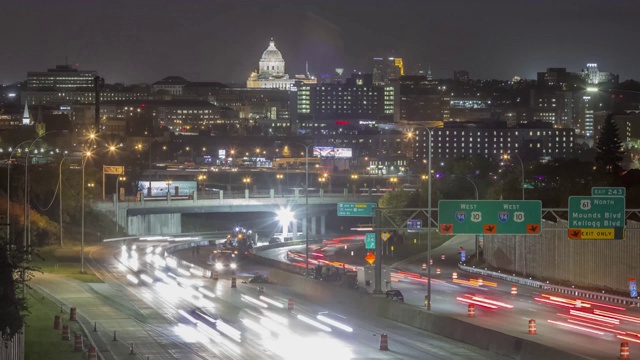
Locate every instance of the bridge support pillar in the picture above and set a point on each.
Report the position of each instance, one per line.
(322, 224)
(313, 225)
(168, 197)
(294, 229)
(195, 197)
(304, 226)
(246, 194)
(272, 193)
(221, 195)
(321, 193)
(346, 192)
(296, 193)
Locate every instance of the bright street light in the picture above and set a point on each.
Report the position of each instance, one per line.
(284, 216)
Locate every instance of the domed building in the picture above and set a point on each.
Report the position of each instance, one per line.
(271, 71)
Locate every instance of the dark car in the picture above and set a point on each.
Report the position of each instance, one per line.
(395, 295)
(275, 240)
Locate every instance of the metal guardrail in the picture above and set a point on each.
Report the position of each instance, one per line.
(555, 288)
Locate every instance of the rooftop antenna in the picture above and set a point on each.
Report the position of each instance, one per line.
(307, 68)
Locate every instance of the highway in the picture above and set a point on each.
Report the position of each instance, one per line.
(245, 326)
(592, 329)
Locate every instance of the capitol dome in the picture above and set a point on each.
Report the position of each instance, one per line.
(272, 53)
(272, 63)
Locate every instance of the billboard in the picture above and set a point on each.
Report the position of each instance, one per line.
(323, 151)
(159, 188)
(343, 152)
(222, 154)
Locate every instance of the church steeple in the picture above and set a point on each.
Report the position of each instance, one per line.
(40, 127)
(26, 118)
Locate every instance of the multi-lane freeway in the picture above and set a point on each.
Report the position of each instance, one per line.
(590, 328)
(207, 319)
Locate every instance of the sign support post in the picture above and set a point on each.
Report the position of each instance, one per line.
(379, 243)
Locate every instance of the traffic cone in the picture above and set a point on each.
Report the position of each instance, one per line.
(92, 354)
(233, 282)
(442, 257)
(624, 350)
(430, 261)
(514, 290)
(471, 310)
(65, 333)
(384, 342)
(77, 344)
(532, 327)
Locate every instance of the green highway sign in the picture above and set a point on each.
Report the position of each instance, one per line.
(370, 240)
(608, 191)
(495, 217)
(596, 217)
(355, 209)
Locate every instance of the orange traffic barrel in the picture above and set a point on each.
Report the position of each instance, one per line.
(384, 342)
(72, 314)
(479, 282)
(514, 290)
(65, 333)
(431, 261)
(471, 310)
(624, 350)
(424, 266)
(532, 327)
(454, 275)
(442, 256)
(233, 282)
(77, 343)
(437, 270)
(57, 322)
(290, 304)
(92, 353)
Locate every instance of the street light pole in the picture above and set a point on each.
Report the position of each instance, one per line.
(60, 194)
(429, 224)
(27, 214)
(84, 162)
(9, 186)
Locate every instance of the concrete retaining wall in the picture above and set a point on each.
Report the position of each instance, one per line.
(154, 224)
(552, 256)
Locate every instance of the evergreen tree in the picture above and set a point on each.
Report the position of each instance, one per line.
(609, 149)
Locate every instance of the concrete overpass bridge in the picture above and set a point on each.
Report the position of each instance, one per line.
(152, 216)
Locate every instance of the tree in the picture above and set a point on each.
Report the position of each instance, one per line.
(15, 273)
(609, 147)
(396, 199)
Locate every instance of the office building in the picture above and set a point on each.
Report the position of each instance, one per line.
(592, 75)
(461, 76)
(170, 85)
(356, 102)
(387, 69)
(529, 140)
(60, 78)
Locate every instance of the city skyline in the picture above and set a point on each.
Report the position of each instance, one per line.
(144, 42)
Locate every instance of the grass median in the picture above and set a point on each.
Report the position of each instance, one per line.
(64, 261)
(41, 341)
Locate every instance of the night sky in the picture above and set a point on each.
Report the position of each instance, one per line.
(135, 41)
